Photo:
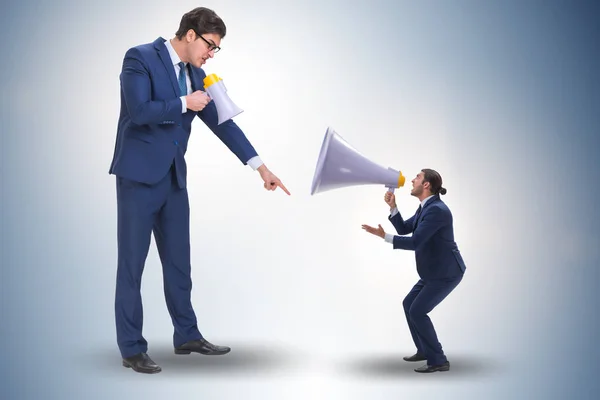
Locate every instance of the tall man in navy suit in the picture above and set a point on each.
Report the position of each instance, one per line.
(161, 93)
(439, 263)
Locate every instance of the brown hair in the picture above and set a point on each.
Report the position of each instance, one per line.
(435, 181)
(201, 20)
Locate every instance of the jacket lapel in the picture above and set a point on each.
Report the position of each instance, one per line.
(163, 53)
(417, 216)
(420, 215)
(194, 79)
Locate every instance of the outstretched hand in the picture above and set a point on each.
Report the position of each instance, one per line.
(375, 231)
(271, 182)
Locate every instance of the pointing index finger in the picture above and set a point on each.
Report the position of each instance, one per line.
(282, 186)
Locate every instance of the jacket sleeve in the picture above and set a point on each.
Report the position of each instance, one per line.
(432, 221)
(402, 227)
(137, 90)
(228, 132)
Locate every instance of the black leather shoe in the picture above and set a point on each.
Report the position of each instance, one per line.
(202, 346)
(141, 363)
(415, 357)
(434, 368)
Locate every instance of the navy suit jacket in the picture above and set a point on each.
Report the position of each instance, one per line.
(436, 254)
(152, 132)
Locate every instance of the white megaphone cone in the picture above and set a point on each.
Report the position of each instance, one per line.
(340, 165)
(215, 88)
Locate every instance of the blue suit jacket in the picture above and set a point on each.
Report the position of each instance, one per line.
(437, 255)
(152, 132)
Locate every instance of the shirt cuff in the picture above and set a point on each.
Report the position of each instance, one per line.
(393, 211)
(255, 162)
(389, 238)
(183, 105)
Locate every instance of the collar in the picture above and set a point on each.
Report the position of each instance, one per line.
(425, 200)
(172, 53)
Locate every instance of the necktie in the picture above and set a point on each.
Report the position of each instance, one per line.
(417, 215)
(182, 82)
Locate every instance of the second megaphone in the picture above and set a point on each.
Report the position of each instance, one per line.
(340, 165)
(215, 88)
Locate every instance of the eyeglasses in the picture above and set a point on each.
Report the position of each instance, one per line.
(211, 46)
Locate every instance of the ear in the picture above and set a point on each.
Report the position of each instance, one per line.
(190, 36)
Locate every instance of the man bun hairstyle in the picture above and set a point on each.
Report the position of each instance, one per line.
(201, 20)
(435, 181)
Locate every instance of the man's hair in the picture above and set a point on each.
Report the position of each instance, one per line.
(202, 20)
(435, 181)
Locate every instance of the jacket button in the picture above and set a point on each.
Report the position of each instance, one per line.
(176, 142)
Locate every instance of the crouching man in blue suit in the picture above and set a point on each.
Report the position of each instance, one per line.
(439, 263)
(161, 94)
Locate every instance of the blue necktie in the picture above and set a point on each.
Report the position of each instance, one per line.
(182, 82)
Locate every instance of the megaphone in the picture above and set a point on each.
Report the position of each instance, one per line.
(340, 165)
(226, 109)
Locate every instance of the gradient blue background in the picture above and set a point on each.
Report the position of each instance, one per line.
(501, 97)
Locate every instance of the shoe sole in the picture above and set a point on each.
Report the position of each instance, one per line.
(210, 353)
(437, 370)
(156, 371)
